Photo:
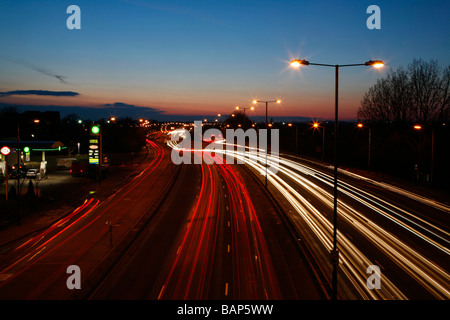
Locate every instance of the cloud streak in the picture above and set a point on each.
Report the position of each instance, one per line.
(60, 78)
(39, 93)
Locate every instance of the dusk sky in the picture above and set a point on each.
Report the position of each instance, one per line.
(204, 57)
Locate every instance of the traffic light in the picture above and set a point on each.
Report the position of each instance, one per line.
(95, 130)
(26, 149)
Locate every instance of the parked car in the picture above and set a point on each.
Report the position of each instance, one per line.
(14, 174)
(79, 168)
(33, 174)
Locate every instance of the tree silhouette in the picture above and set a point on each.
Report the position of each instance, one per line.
(420, 93)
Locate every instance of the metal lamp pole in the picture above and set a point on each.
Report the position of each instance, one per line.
(335, 251)
(267, 123)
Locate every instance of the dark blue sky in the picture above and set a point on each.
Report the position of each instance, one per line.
(205, 57)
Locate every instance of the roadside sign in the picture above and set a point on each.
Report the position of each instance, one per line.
(5, 151)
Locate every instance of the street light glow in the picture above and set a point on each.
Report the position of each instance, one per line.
(375, 63)
(418, 127)
(360, 125)
(297, 63)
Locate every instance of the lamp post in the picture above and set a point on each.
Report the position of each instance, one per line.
(335, 252)
(238, 108)
(296, 135)
(418, 128)
(361, 125)
(267, 124)
(267, 103)
(316, 125)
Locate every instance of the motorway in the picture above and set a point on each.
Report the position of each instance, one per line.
(199, 231)
(35, 265)
(170, 232)
(405, 234)
(210, 241)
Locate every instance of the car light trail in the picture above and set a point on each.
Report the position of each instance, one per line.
(253, 275)
(353, 262)
(51, 244)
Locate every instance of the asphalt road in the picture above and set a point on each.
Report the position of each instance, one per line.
(171, 232)
(212, 238)
(91, 236)
(403, 233)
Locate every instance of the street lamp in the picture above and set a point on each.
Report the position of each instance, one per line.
(266, 102)
(296, 135)
(419, 128)
(316, 125)
(296, 63)
(360, 125)
(267, 125)
(251, 108)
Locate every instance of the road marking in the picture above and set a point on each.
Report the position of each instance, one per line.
(36, 253)
(160, 292)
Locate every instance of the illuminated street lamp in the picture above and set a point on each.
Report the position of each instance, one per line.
(251, 108)
(360, 125)
(296, 63)
(267, 125)
(266, 102)
(418, 127)
(316, 126)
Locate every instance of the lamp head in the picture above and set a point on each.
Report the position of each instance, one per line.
(297, 63)
(375, 63)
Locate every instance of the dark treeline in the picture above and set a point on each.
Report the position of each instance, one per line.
(419, 93)
(396, 150)
(121, 136)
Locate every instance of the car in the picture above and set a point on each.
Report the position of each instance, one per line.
(33, 174)
(15, 174)
(79, 168)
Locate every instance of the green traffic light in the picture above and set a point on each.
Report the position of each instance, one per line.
(26, 149)
(95, 129)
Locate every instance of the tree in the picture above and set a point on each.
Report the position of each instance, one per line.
(418, 94)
